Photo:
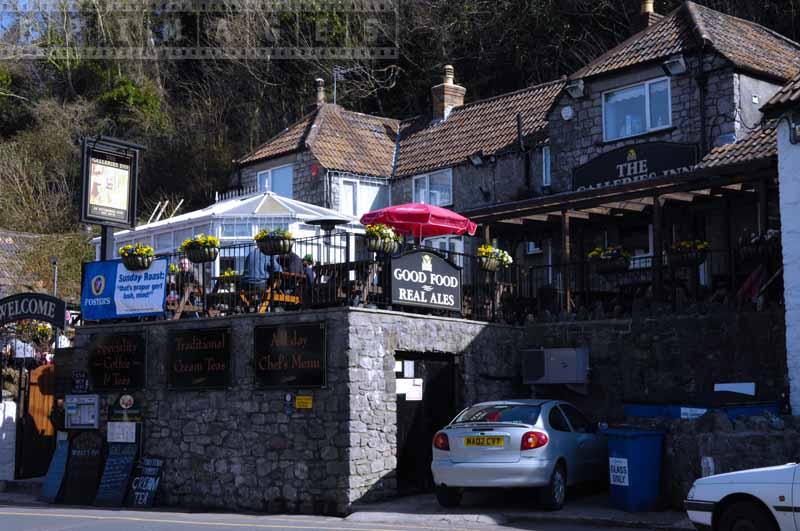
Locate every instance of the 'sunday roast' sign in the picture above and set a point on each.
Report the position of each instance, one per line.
(290, 355)
(631, 164)
(199, 358)
(422, 278)
(33, 306)
(109, 290)
(117, 361)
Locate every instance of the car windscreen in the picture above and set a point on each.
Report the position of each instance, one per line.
(515, 413)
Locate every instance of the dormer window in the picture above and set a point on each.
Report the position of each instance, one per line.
(278, 180)
(637, 109)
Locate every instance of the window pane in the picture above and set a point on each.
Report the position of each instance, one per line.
(164, 241)
(576, 418)
(420, 190)
(368, 198)
(182, 235)
(557, 420)
(440, 191)
(546, 166)
(659, 104)
(348, 202)
(500, 413)
(263, 181)
(203, 229)
(282, 181)
(625, 112)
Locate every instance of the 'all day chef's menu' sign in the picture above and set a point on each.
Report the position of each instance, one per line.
(199, 358)
(290, 355)
(422, 278)
(109, 290)
(117, 361)
(631, 164)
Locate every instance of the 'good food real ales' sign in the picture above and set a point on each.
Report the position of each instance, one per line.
(199, 359)
(425, 279)
(117, 361)
(290, 355)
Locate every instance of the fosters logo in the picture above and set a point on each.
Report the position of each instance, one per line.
(97, 286)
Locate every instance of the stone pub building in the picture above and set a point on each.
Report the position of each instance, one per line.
(639, 199)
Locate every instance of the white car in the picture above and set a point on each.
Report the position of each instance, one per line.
(761, 499)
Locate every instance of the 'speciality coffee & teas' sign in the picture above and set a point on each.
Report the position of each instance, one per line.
(636, 163)
(118, 361)
(199, 359)
(288, 356)
(422, 278)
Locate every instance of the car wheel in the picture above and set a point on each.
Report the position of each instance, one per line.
(745, 516)
(448, 496)
(554, 494)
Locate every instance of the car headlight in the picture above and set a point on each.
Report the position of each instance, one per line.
(690, 496)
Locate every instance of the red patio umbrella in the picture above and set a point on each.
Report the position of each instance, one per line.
(421, 220)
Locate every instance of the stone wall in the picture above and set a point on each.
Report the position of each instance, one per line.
(242, 448)
(669, 359)
(8, 439)
(305, 186)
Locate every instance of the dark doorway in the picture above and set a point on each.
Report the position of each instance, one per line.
(420, 413)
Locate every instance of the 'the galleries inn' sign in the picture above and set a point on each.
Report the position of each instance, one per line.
(631, 164)
(422, 278)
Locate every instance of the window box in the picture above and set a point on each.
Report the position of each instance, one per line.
(637, 109)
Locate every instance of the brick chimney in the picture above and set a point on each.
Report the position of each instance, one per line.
(647, 16)
(320, 91)
(447, 95)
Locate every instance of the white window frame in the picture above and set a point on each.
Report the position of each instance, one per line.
(547, 166)
(355, 184)
(646, 85)
(268, 183)
(426, 177)
(532, 247)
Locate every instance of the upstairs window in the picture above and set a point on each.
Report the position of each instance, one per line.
(637, 109)
(278, 180)
(546, 166)
(434, 188)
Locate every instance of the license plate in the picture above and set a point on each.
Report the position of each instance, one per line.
(483, 441)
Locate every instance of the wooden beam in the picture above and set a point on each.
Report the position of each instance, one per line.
(680, 196)
(538, 217)
(658, 248)
(598, 210)
(643, 200)
(625, 205)
(516, 221)
(565, 260)
(706, 192)
(737, 186)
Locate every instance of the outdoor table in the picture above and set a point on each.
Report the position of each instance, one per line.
(283, 287)
(226, 294)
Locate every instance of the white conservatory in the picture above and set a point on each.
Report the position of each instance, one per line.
(236, 220)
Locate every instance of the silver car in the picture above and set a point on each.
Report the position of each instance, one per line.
(517, 443)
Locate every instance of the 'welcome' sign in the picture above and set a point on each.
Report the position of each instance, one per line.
(422, 278)
(33, 306)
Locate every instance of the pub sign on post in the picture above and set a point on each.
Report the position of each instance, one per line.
(199, 359)
(108, 196)
(425, 279)
(289, 356)
(118, 361)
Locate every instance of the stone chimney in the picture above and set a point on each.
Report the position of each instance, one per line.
(320, 91)
(647, 16)
(447, 95)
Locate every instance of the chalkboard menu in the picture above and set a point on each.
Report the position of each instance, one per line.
(116, 474)
(55, 473)
(289, 356)
(117, 361)
(84, 468)
(144, 484)
(199, 359)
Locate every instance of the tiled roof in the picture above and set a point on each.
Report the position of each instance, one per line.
(746, 44)
(340, 139)
(12, 245)
(488, 125)
(788, 95)
(760, 144)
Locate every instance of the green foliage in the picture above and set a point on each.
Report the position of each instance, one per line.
(128, 98)
(71, 249)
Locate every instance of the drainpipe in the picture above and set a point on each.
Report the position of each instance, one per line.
(526, 153)
(702, 83)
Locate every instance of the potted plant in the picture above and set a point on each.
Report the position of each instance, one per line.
(137, 257)
(274, 241)
(686, 253)
(758, 246)
(201, 248)
(382, 238)
(491, 258)
(229, 277)
(611, 260)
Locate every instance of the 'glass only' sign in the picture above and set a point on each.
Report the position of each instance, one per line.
(425, 279)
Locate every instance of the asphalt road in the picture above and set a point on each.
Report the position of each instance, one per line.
(47, 518)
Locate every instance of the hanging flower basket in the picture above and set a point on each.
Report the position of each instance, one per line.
(137, 257)
(276, 241)
(202, 255)
(137, 263)
(382, 245)
(690, 259)
(611, 266)
(489, 263)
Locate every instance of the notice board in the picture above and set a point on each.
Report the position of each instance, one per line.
(116, 475)
(144, 485)
(55, 473)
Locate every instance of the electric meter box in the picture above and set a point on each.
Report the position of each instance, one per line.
(82, 412)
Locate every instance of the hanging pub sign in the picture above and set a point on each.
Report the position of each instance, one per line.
(199, 358)
(110, 291)
(289, 356)
(36, 306)
(108, 196)
(422, 278)
(631, 164)
(117, 361)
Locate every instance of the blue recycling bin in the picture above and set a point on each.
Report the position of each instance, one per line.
(634, 466)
